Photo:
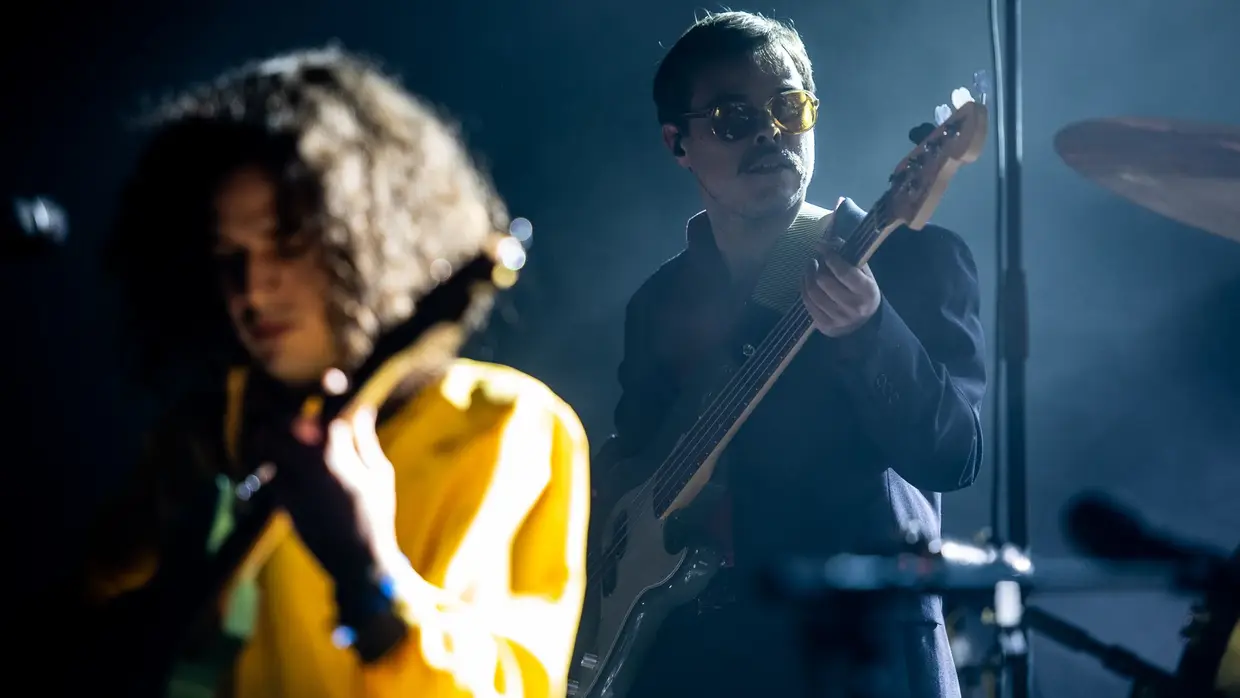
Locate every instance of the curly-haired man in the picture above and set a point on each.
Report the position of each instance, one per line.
(280, 220)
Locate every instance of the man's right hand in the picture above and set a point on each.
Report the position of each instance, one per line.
(698, 522)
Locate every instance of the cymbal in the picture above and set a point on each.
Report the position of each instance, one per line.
(1189, 172)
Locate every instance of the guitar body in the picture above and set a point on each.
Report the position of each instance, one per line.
(644, 564)
(644, 585)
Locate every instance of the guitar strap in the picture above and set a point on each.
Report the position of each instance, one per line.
(779, 284)
(240, 598)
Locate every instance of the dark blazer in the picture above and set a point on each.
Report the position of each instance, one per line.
(850, 448)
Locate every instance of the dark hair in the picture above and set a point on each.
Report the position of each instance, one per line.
(364, 169)
(715, 38)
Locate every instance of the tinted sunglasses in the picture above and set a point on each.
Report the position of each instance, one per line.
(793, 112)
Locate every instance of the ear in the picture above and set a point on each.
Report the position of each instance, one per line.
(674, 142)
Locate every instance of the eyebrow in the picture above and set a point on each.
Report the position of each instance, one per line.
(729, 97)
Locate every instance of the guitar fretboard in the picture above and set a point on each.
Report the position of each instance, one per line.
(779, 289)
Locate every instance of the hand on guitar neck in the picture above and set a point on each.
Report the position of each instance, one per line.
(839, 297)
(337, 486)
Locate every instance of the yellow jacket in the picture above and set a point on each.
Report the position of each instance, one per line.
(492, 492)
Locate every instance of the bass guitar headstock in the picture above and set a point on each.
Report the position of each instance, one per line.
(920, 180)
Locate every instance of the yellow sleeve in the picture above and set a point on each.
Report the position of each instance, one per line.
(505, 622)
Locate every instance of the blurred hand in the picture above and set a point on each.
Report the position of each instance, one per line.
(338, 488)
(359, 488)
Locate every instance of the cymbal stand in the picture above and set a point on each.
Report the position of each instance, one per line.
(1010, 643)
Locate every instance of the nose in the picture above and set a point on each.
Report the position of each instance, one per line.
(262, 279)
(769, 133)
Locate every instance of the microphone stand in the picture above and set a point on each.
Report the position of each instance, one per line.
(1013, 304)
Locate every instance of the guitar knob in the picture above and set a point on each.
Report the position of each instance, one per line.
(1198, 619)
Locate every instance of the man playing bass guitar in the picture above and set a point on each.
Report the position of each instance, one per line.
(427, 542)
(874, 418)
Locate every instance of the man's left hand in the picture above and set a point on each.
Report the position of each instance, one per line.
(839, 297)
(338, 489)
(361, 476)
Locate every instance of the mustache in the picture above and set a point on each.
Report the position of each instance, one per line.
(786, 157)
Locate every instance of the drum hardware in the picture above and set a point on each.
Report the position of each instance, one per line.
(840, 591)
(1190, 173)
(1211, 658)
(976, 644)
(1147, 679)
(978, 651)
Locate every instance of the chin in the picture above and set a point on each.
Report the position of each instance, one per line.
(773, 203)
(292, 372)
(773, 198)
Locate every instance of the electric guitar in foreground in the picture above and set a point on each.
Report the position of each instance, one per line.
(638, 571)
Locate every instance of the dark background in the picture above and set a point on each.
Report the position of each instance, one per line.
(1133, 374)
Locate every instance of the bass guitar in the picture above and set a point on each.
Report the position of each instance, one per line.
(638, 571)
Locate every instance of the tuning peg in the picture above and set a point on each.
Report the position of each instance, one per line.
(917, 134)
(942, 113)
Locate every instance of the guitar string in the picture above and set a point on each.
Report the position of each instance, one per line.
(792, 324)
(865, 238)
(682, 455)
(674, 465)
(799, 321)
(725, 393)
